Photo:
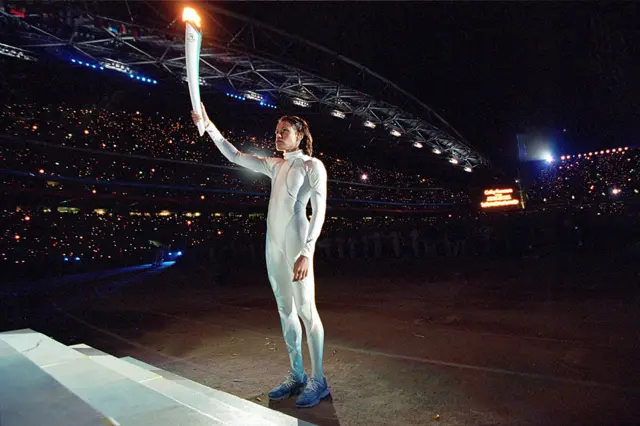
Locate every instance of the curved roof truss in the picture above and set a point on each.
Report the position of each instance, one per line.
(238, 54)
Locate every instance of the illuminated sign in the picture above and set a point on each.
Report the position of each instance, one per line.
(499, 198)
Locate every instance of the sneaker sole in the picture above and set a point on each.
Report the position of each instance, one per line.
(317, 401)
(287, 395)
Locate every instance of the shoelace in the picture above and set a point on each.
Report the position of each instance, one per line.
(313, 385)
(289, 381)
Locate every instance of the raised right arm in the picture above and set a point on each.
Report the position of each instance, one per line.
(257, 164)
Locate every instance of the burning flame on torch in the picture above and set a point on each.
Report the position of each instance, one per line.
(191, 15)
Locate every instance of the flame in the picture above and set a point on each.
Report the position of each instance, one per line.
(191, 15)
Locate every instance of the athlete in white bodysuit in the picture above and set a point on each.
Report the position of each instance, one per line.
(291, 240)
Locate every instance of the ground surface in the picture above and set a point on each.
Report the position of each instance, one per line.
(532, 342)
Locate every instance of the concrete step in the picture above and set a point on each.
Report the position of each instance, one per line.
(199, 397)
(29, 396)
(120, 399)
(196, 399)
(272, 416)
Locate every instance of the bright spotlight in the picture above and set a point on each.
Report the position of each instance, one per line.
(253, 96)
(16, 52)
(548, 158)
(417, 145)
(364, 176)
(116, 66)
(468, 169)
(179, 253)
(300, 102)
(453, 160)
(437, 151)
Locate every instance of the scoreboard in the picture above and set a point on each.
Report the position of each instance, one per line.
(494, 198)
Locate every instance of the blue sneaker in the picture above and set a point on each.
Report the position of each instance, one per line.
(290, 386)
(315, 390)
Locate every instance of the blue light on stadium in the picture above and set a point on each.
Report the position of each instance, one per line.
(100, 67)
(244, 98)
(66, 259)
(179, 253)
(267, 105)
(77, 258)
(170, 254)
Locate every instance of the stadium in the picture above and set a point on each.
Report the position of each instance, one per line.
(455, 286)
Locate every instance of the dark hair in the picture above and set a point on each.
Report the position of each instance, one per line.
(301, 126)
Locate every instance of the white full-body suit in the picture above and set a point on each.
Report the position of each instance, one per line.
(295, 180)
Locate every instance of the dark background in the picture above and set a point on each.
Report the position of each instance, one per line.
(491, 69)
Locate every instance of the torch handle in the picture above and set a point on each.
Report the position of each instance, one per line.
(193, 40)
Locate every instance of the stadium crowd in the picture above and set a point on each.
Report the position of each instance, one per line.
(120, 146)
(92, 155)
(45, 167)
(69, 238)
(604, 176)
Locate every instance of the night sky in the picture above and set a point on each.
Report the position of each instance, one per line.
(491, 69)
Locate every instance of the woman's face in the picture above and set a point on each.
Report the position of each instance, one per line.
(287, 139)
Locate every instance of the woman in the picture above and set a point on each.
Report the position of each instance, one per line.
(291, 240)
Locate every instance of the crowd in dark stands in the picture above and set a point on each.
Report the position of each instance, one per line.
(594, 177)
(81, 164)
(130, 147)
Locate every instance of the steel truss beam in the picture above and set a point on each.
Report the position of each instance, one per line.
(242, 54)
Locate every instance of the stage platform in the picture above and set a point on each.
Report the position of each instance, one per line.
(44, 382)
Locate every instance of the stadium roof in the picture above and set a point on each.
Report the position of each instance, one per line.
(239, 55)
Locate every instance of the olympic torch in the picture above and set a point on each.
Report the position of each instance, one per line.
(193, 41)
